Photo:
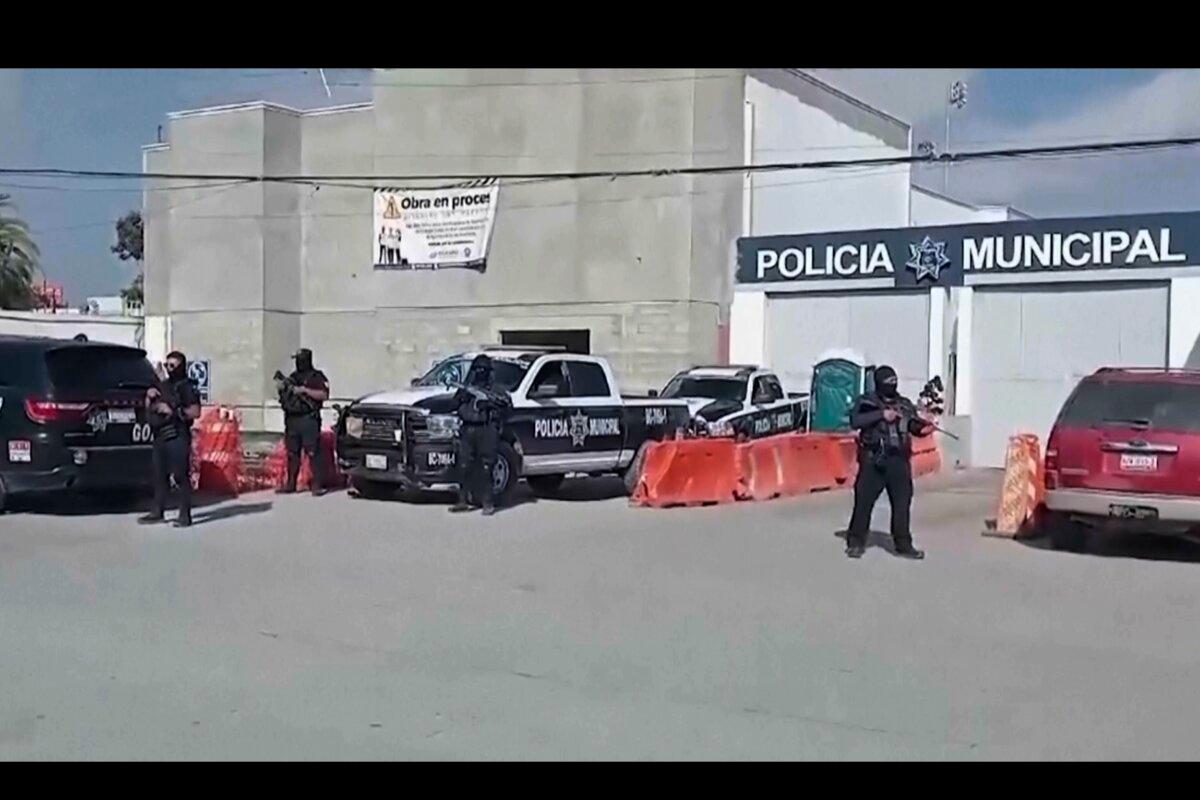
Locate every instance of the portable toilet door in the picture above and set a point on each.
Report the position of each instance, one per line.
(836, 383)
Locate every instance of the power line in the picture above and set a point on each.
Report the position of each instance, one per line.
(374, 180)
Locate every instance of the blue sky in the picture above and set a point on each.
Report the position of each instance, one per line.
(99, 119)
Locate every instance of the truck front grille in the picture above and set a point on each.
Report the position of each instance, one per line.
(382, 429)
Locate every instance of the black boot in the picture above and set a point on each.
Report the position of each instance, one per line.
(153, 518)
(183, 522)
(855, 550)
(906, 550)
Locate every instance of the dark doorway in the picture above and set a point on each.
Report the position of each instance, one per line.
(575, 341)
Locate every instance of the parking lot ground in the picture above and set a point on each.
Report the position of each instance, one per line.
(582, 628)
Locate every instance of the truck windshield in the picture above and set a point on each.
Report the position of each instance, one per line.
(712, 388)
(1158, 405)
(506, 374)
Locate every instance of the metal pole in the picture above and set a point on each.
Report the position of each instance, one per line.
(946, 148)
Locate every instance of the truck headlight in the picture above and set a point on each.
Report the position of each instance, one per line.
(354, 427)
(442, 426)
(720, 429)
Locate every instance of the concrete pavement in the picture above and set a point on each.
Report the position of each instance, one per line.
(581, 628)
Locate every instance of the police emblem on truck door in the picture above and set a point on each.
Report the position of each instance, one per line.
(579, 429)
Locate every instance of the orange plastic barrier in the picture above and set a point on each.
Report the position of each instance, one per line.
(761, 470)
(926, 456)
(688, 472)
(277, 465)
(1022, 490)
(217, 451)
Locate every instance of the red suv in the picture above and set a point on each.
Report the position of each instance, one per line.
(1124, 454)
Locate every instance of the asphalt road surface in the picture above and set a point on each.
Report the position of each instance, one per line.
(582, 628)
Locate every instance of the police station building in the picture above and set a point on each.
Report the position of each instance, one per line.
(1011, 314)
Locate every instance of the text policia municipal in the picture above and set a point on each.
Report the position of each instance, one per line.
(1108, 248)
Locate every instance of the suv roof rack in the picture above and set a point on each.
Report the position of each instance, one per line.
(737, 367)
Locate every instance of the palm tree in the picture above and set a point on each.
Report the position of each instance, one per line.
(18, 259)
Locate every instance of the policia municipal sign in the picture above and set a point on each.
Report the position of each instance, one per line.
(945, 255)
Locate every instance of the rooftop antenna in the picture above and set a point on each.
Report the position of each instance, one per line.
(325, 83)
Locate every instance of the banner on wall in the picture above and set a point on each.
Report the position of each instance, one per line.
(434, 228)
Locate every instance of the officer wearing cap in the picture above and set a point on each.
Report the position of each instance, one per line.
(301, 395)
(886, 422)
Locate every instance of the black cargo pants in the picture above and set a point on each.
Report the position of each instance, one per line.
(172, 458)
(303, 432)
(477, 446)
(893, 474)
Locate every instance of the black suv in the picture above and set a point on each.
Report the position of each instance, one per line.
(71, 416)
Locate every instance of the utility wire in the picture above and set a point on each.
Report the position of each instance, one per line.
(392, 180)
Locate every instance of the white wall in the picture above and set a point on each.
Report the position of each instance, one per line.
(127, 331)
(788, 129)
(1183, 340)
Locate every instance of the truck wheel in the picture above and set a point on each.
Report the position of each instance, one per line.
(545, 485)
(506, 474)
(373, 490)
(3, 495)
(1065, 534)
(633, 473)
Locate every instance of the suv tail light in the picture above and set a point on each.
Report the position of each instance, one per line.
(1051, 462)
(43, 411)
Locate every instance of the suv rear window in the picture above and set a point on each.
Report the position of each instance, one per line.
(92, 370)
(1166, 406)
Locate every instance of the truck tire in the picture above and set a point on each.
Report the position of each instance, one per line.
(3, 496)
(1065, 534)
(506, 474)
(633, 473)
(545, 485)
(373, 490)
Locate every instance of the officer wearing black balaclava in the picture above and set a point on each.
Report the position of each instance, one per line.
(301, 395)
(482, 408)
(171, 408)
(886, 422)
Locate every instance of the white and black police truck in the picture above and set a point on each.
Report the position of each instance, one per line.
(567, 419)
(741, 401)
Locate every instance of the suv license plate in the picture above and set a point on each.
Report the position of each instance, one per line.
(1132, 512)
(375, 461)
(1134, 463)
(121, 415)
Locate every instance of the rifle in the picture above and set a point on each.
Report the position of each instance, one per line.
(292, 402)
(926, 394)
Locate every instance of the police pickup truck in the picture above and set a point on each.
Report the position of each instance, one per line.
(741, 401)
(567, 418)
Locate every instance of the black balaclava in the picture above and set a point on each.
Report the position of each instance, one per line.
(480, 373)
(886, 382)
(180, 372)
(304, 361)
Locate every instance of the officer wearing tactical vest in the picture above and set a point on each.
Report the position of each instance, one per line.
(172, 405)
(301, 395)
(482, 409)
(886, 422)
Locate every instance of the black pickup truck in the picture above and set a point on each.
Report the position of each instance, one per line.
(567, 418)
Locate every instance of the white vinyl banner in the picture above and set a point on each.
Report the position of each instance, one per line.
(434, 228)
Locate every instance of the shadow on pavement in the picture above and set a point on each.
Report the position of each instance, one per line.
(89, 504)
(880, 539)
(1144, 547)
(584, 490)
(230, 511)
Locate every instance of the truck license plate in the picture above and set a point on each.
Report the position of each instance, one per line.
(1132, 512)
(376, 461)
(1134, 463)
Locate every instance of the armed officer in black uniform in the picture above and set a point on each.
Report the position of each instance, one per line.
(171, 408)
(301, 395)
(886, 422)
(483, 409)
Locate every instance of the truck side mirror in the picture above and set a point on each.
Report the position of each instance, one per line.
(654, 392)
(414, 381)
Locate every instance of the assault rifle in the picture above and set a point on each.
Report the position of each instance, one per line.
(291, 401)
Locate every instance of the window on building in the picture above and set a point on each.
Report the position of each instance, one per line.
(572, 341)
